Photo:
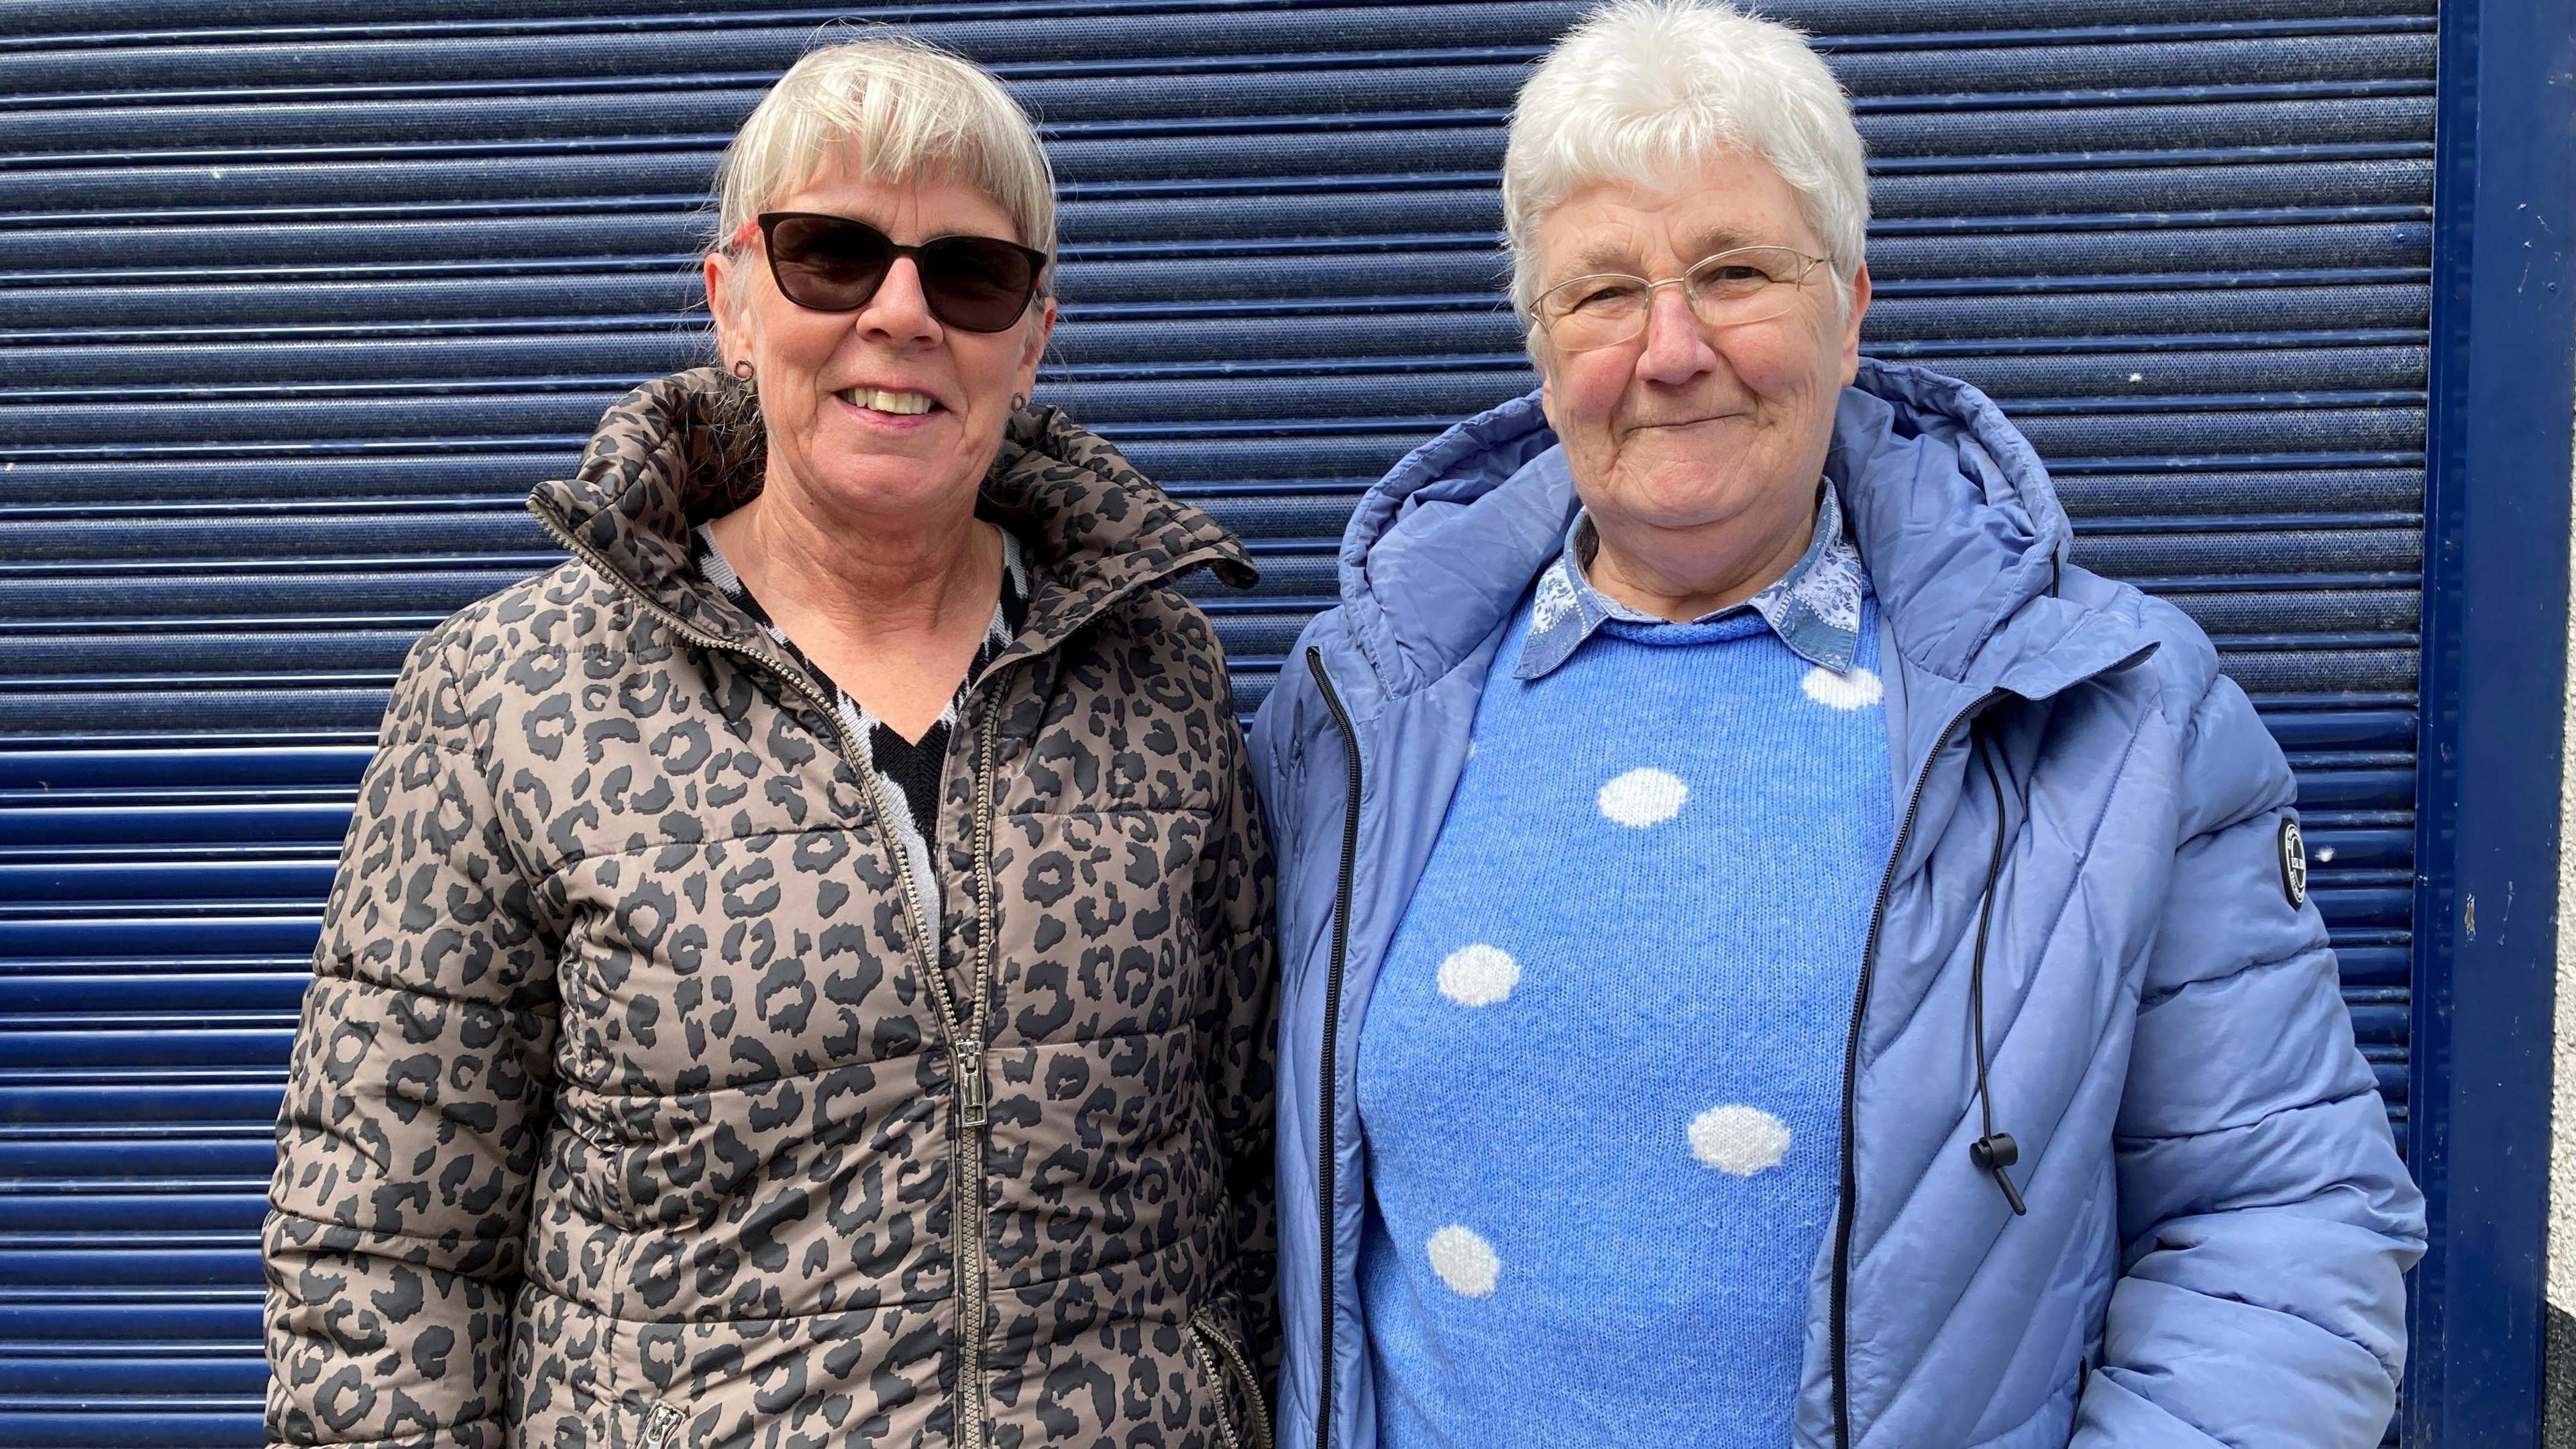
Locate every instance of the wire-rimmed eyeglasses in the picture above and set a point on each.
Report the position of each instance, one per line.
(1731, 289)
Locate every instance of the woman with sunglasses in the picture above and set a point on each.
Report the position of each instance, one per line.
(800, 972)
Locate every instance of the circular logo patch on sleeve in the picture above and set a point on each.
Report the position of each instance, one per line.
(2294, 864)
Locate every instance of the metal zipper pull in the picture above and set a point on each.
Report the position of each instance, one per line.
(970, 1083)
(660, 1425)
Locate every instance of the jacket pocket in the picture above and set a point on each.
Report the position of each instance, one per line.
(1242, 1419)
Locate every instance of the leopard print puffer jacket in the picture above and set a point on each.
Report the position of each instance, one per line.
(634, 1107)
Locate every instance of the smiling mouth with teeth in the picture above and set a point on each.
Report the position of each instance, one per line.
(886, 402)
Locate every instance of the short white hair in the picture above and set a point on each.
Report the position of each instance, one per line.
(1648, 90)
(899, 108)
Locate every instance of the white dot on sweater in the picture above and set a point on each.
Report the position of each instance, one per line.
(1641, 798)
(1738, 1140)
(1478, 975)
(1465, 1261)
(1858, 689)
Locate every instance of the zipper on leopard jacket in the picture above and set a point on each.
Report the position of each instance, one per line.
(965, 1034)
(973, 1098)
(966, 1037)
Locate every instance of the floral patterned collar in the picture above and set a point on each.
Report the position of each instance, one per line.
(1814, 607)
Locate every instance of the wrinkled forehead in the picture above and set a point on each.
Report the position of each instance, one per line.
(1636, 250)
(1664, 222)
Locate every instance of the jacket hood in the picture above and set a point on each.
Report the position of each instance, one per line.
(1948, 503)
(689, 447)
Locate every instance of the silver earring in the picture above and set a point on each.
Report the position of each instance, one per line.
(1019, 400)
(743, 369)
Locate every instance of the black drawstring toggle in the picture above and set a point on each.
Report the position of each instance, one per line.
(1993, 1153)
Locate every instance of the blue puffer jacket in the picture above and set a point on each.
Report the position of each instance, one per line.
(2218, 1221)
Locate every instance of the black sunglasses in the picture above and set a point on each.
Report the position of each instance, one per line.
(835, 264)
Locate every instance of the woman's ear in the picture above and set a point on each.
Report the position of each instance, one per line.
(732, 343)
(1034, 346)
(1851, 323)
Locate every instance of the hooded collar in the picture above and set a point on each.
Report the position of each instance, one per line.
(688, 447)
(1952, 512)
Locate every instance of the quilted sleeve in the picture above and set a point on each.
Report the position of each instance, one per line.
(1239, 1040)
(413, 1106)
(2267, 1219)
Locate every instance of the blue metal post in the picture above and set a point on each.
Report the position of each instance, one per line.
(2495, 619)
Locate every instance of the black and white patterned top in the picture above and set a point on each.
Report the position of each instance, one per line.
(908, 769)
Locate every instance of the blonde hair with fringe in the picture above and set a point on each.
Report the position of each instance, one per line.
(1645, 90)
(900, 108)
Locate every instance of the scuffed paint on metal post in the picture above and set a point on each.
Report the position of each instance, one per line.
(2558, 1375)
(2490, 779)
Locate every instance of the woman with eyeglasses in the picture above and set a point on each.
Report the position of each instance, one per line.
(799, 973)
(1772, 951)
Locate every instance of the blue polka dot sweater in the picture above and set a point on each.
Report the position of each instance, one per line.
(1600, 1074)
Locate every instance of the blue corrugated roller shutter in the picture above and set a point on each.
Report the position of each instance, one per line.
(297, 297)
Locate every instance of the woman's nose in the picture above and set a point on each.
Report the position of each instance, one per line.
(899, 310)
(1677, 346)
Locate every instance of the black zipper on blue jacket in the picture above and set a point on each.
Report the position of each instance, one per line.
(1324, 1118)
(1841, 1307)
